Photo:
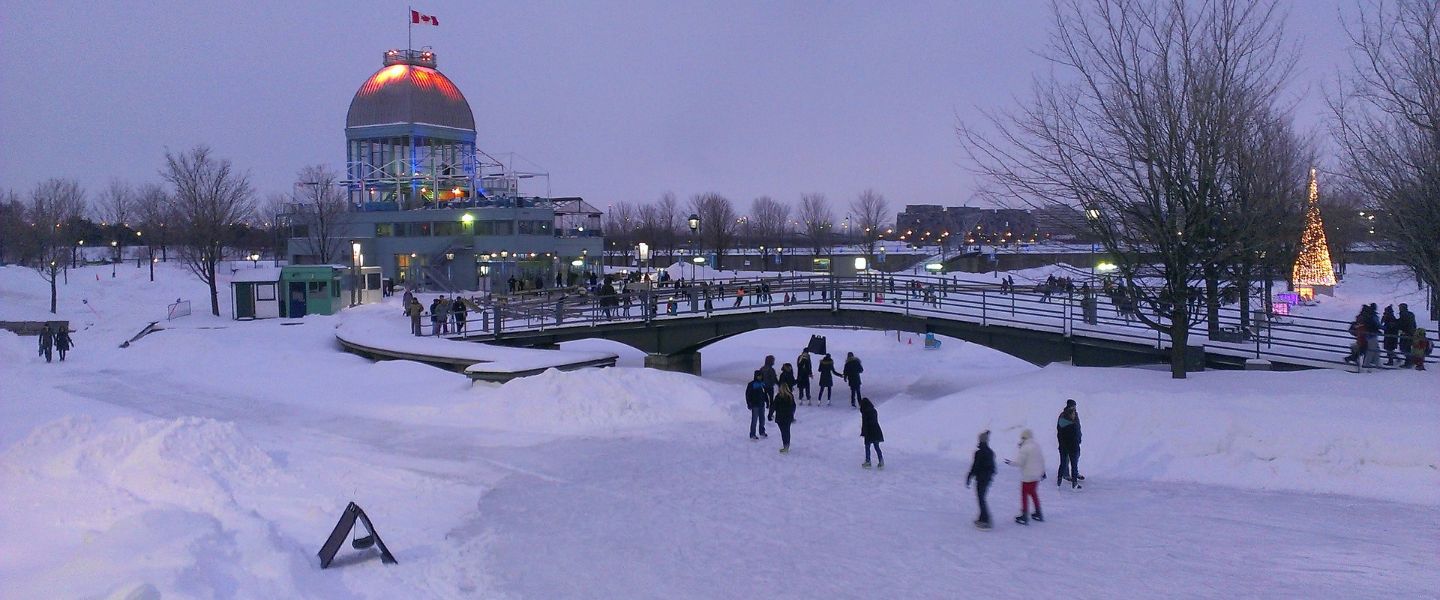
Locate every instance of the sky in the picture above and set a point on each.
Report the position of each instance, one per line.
(617, 101)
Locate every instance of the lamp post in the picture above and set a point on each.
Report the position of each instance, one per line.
(73, 253)
(137, 254)
(694, 223)
(642, 250)
(485, 275)
(114, 247)
(354, 267)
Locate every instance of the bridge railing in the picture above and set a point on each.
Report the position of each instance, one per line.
(1311, 340)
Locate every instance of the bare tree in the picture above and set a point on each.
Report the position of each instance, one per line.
(816, 221)
(153, 212)
(12, 225)
(621, 221)
(324, 213)
(273, 217)
(1135, 129)
(54, 204)
(871, 211)
(1388, 122)
(719, 227)
(667, 224)
(769, 222)
(210, 199)
(114, 207)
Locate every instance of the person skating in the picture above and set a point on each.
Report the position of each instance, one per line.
(870, 431)
(827, 381)
(47, 342)
(1032, 469)
(802, 376)
(787, 377)
(782, 410)
(1067, 431)
(755, 401)
(982, 470)
(853, 369)
(771, 378)
(63, 343)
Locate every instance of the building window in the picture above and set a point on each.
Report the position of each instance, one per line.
(265, 292)
(417, 230)
(447, 228)
(492, 228)
(315, 287)
(535, 227)
(384, 230)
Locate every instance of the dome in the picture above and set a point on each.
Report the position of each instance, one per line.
(408, 93)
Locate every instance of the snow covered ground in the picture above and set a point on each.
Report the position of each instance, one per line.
(211, 459)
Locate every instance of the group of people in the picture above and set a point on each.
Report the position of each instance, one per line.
(773, 396)
(1392, 332)
(445, 314)
(1031, 463)
(55, 339)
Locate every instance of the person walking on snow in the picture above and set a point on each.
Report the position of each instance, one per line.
(870, 431)
(63, 343)
(414, 310)
(787, 377)
(1390, 326)
(827, 382)
(982, 470)
(1067, 431)
(459, 309)
(755, 401)
(768, 371)
(782, 410)
(853, 369)
(1406, 323)
(47, 342)
(1032, 469)
(802, 376)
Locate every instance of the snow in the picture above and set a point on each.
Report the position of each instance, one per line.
(212, 458)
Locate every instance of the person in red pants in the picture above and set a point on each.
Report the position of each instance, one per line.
(1032, 469)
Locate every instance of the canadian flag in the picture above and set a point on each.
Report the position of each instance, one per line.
(417, 18)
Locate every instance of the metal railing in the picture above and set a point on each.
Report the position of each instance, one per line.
(1292, 339)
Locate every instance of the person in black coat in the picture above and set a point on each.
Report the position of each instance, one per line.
(770, 377)
(1390, 326)
(853, 369)
(755, 400)
(870, 431)
(1067, 432)
(982, 470)
(783, 409)
(803, 371)
(47, 342)
(1406, 324)
(458, 307)
(63, 343)
(827, 382)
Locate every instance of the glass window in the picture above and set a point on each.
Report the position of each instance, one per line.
(447, 228)
(315, 287)
(492, 228)
(417, 230)
(384, 230)
(265, 292)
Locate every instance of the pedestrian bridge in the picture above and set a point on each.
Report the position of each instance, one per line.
(672, 324)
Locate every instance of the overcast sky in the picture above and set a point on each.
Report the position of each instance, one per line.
(616, 100)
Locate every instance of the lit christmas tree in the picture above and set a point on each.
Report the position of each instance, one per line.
(1312, 266)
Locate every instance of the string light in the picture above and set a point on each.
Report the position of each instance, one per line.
(1312, 266)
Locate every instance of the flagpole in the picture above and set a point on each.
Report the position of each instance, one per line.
(409, 25)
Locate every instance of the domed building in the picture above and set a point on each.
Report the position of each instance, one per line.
(409, 136)
(428, 208)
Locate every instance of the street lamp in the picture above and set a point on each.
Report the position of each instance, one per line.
(72, 254)
(114, 247)
(642, 250)
(694, 223)
(355, 266)
(485, 273)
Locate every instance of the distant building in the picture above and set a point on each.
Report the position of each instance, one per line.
(429, 208)
(924, 224)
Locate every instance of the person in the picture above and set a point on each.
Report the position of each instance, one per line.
(47, 342)
(771, 378)
(510, 284)
(802, 376)
(1420, 347)
(739, 296)
(870, 431)
(407, 299)
(414, 309)
(853, 369)
(787, 376)
(782, 410)
(1372, 336)
(755, 401)
(458, 307)
(1067, 431)
(1032, 469)
(982, 470)
(1390, 326)
(1406, 325)
(435, 312)
(827, 383)
(63, 343)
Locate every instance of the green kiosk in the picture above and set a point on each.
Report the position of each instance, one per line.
(310, 290)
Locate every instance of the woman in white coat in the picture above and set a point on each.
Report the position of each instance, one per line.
(1032, 469)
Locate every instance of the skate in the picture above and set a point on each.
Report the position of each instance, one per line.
(785, 450)
(754, 438)
(982, 525)
(865, 464)
(880, 465)
(1022, 520)
(762, 434)
(1037, 517)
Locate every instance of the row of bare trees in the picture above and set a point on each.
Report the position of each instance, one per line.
(767, 225)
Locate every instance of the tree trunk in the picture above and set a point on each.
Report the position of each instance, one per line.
(1179, 340)
(52, 291)
(214, 293)
(1212, 300)
(1243, 284)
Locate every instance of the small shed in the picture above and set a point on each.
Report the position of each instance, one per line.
(255, 294)
(311, 290)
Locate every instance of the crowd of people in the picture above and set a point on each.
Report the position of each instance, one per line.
(1405, 343)
(1031, 463)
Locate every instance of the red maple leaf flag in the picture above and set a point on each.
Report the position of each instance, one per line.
(417, 18)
